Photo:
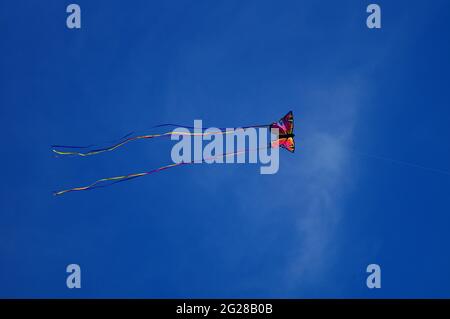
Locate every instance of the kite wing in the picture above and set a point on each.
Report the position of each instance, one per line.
(285, 125)
(287, 143)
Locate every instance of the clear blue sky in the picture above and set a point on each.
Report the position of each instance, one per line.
(336, 205)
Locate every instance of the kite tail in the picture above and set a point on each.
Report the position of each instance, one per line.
(104, 182)
(220, 128)
(93, 145)
(113, 180)
(104, 149)
(58, 149)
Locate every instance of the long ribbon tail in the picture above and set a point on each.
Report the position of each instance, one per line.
(113, 180)
(104, 182)
(93, 145)
(220, 128)
(105, 149)
(126, 139)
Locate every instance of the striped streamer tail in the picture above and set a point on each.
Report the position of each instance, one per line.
(67, 150)
(104, 182)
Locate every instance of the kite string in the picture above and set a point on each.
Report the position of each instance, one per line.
(117, 179)
(400, 162)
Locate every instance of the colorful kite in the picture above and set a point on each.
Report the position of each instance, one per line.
(285, 139)
(286, 135)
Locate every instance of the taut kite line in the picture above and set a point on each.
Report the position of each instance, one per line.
(285, 140)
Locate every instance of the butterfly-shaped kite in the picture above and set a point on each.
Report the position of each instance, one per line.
(285, 139)
(286, 134)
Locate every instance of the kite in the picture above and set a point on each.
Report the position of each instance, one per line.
(285, 139)
(286, 134)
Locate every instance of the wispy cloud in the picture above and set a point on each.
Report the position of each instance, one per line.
(324, 175)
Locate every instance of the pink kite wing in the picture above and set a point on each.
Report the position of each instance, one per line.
(286, 143)
(285, 125)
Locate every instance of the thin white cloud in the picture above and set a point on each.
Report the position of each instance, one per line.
(324, 175)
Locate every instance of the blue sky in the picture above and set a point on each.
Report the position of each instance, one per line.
(361, 99)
